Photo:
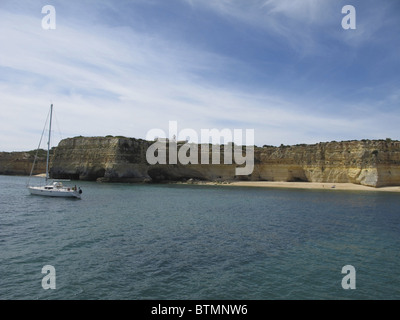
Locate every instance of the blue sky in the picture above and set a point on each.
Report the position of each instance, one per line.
(285, 68)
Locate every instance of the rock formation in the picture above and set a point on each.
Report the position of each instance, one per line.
(373, 163)
(20, 163)
(111, 159)
(368, 162)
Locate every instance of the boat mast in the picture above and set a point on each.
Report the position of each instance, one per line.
(48, 144)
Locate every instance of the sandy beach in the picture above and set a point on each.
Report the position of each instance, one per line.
(312, 185)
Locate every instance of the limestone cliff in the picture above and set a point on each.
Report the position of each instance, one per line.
(105, 158)
(373, 163)
(20, 163)
(368, 162)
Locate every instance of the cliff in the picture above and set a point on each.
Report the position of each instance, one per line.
(105, 158)
(20, 163)
(373, 163)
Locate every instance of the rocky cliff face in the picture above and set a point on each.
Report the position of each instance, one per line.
(104, 158)
(373, 163)
(20, 163)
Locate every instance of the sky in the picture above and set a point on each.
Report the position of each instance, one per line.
(286, 69)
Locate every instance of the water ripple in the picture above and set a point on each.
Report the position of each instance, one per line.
(193, 242)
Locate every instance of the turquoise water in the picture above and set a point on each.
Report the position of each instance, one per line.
(127, 241)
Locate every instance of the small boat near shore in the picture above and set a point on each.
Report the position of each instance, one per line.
(56, 188)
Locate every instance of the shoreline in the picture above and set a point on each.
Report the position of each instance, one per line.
(302, 185)
(278, 184)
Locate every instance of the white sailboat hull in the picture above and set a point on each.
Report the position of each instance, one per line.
(57, 189)
(55, 192)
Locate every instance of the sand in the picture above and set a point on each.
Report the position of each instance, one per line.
(312, 185)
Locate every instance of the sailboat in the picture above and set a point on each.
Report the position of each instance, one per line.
(56, 188)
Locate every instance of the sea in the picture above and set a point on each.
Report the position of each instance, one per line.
(198, 242)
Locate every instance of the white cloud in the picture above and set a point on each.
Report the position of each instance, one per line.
(114, 80)
(99, 83)
(296, 21)
(306, 11)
